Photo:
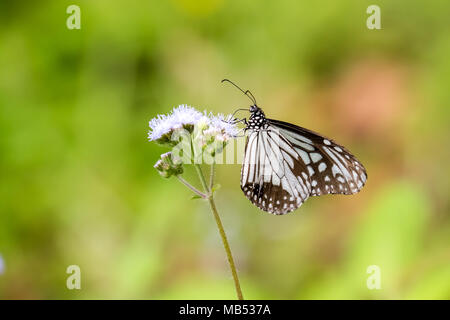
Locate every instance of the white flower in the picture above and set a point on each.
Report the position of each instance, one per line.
(224, 125)
(178, 118)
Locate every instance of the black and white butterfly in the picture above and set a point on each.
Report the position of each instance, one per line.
(285, 164)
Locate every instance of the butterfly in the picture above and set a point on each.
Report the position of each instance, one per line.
(285, 164)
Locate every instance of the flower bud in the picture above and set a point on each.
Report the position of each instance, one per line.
(168, 166)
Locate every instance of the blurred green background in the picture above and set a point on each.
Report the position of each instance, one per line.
(77, 184)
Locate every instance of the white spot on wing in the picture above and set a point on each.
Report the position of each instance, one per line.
(288, 159)
(315, 156)
(304, 156)
(322, 166)
(335, 170)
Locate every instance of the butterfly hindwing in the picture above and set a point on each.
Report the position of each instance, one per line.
(272, 176)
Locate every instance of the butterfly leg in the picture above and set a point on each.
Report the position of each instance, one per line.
(239, 134)
(244, 120)
(236, 120)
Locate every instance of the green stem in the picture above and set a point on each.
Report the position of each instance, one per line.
(227, 249)
(194, 189)
(211, 177)
(220, 227)
(202, 177)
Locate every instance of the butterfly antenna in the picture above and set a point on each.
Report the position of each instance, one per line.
(247, 93)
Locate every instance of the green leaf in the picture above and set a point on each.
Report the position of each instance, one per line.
(215, 188)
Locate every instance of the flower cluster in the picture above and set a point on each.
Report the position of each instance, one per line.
(185, 117)
(168, 165)
(188, 129)
(163, 126)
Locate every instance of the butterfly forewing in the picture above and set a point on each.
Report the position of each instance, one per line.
(331, 168)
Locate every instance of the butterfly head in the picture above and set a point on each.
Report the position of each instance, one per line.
(256, 111)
